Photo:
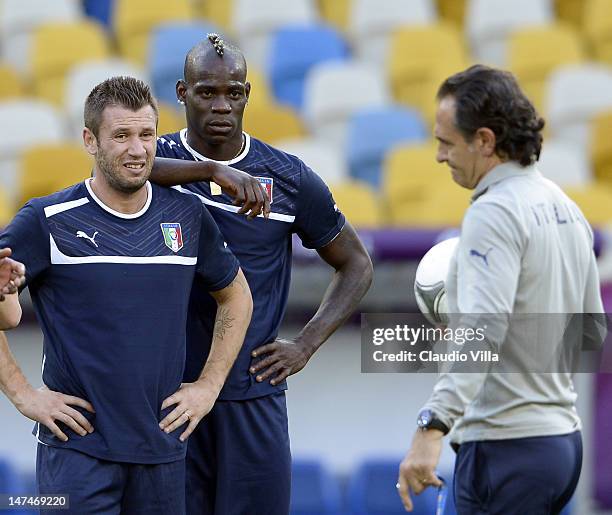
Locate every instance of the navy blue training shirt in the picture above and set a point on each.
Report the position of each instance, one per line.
(111, 294)
(301, 203)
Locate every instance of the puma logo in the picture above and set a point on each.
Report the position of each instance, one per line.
(81, 234)
(474, 252)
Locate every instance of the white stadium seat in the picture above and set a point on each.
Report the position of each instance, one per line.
(255, 20)
(490, 22)
(324, 159)
(81, 80)
(564, 164)
(373, 21)
(18, 18)
(334, 90)
(24, 123)
(575, 94)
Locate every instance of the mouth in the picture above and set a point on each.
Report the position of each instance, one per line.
(220, 126)
(135, 167)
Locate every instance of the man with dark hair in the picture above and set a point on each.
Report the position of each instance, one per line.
(518, 434)
(110, 265)
(239, 459)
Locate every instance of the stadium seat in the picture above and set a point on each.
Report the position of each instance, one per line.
(336, 12)
(435, 50)
(412, 184)
(533, 53)
(358, 203)
(6, 215)
(82, 79)
(372, 22)
(575, 94)
(372, 491)
(45, 169)
(133, 21)
(10, 83)
(255, 20)
(335, 90)
(100, 10)
(273, 122)
(570, 11)
(601, 147)
(22, 123)
(565, 164)
(293, 51)
(322, 157)
(18, 18)
(372, 132)
(168, 45)
(261, 93)
(170, 119)
(597, 25)
(56, 48)
(314, 491)
(490, 22)
(595, 201)
(216, 13)
(452, 11)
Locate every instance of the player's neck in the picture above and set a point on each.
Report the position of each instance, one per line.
(217, 152)
(124, 203)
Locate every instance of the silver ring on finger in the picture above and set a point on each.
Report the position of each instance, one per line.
(187, 413)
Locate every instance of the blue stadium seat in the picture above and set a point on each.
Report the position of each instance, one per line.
(293, 51)
(167, 48)
(372, 491)
(101, 10)
(372, 132)
(313, 490)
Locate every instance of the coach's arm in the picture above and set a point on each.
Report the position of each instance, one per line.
(352, 279)
(194, 400)
(245, 189)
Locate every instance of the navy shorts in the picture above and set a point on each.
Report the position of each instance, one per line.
(522, 476)
(99, 487)
(239, 461)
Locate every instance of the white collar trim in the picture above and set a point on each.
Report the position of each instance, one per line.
(200, 157)
(117, 213)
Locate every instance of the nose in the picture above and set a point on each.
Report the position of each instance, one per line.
(441, 156)
(136, 147)
(220, 105)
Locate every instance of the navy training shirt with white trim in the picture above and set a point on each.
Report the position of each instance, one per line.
(301, 203)
(111, 294)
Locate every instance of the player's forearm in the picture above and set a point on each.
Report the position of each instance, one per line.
(173, 172)
(12, 381)
(10, 312)
(340, 300)
(234, 309)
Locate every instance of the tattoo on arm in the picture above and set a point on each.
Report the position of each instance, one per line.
(223, 322)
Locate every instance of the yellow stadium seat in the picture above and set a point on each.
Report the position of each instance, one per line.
(218, 13)
(6, 210)
(601, 147)
(56, 47)
(434, 50)
(452, 11)
(273, 122)
(134, 19)
(10, 83)
(414, 183)
(358, 203)
(170, 119)
(447, 204)
(597, 25)
(260, 90)
(336, 12)
(570, 11)
(595, 202)
(534, 52)
(48, 168)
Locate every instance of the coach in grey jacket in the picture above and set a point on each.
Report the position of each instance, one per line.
(525, 249)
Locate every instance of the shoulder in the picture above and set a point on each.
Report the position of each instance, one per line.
(68, 196)
(281, 163)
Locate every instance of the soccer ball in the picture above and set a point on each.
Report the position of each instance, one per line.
(429, 283)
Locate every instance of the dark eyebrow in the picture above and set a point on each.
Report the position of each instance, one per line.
(442, 140)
